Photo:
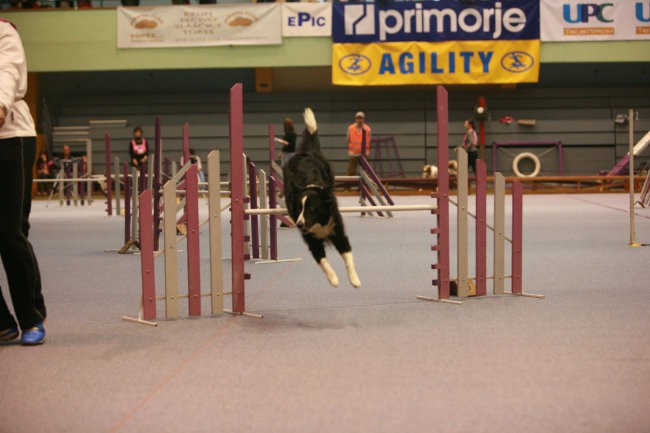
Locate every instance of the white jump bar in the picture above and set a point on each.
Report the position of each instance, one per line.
(396, 208)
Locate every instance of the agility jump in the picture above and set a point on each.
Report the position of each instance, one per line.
(240, 211)
(441, 210)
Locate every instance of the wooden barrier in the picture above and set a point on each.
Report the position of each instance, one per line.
(463, 281)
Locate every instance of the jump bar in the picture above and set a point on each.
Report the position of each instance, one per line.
(396, 208)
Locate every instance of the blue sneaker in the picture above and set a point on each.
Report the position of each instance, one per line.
(33, 336)
(9, 334)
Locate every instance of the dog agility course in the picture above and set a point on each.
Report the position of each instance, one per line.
(323, 359)
(245, 208)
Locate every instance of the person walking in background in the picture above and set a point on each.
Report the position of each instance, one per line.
(17, 155)
(288, 140)
(470, 141)
(358, 138)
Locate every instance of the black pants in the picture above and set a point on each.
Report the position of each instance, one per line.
(472, 156)
(16, 160)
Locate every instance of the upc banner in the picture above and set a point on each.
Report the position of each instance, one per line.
(201, 25)
(306, 19)
(595, 20)
(453, 62)
(442, 42)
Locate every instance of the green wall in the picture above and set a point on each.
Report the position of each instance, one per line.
(86, 40)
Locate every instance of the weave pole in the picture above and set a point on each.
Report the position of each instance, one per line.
(109, 186)
(264, 222)
(193, 253)
(498, 255)
(644, 196)
(237, 198)
(135, 173)
(441, 231)
(75, 185)
(186, 159)
(273, 221)
(442, 196)
(517, 241)
(116, 162)
(216, 255)
(254, 221)
(481, 228)
(157, 193)
(130, 210)
(127, 202)
(170, 249)
(147, 308)
(146, 256)
(462, 242)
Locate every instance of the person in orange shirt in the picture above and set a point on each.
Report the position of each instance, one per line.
(358, 138)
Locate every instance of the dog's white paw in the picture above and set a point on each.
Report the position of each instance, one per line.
(329, 272)
(352, 271)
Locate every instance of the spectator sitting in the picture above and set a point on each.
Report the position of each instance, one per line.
(67, 155)
(44, 170)
(27, 4)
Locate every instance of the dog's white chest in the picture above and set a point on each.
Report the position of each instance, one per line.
(322, 232)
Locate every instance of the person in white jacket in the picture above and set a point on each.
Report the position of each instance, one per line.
(17, 154)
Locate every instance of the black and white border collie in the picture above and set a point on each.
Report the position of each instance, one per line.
(309, 194)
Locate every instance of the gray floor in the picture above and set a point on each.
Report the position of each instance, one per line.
(341, 359)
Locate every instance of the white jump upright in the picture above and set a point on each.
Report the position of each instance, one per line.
(644, 197)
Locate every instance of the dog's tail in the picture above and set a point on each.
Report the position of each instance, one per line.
(310, 121)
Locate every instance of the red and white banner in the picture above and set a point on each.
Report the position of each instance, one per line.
(200, 25)
(595, 20)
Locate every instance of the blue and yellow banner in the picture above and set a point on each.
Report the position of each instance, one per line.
(442, 42)
(432, 21)
(454, 62)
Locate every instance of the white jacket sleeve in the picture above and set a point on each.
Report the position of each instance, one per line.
(11, 56)
(13, 84)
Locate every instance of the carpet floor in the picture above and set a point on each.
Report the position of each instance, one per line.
(325, 359)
